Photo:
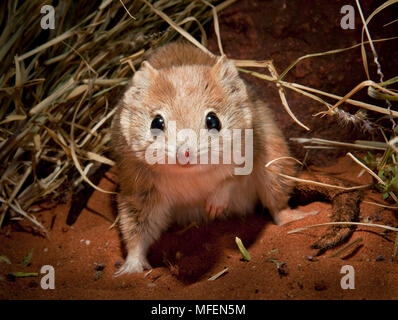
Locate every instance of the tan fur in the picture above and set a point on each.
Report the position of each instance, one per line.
(182, 83)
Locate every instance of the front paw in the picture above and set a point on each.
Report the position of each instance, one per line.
(133, 264)
(215, 205)
(289, 215)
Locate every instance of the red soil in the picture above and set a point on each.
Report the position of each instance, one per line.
(184, 262)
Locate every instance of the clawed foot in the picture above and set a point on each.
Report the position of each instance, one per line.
(133, 264)
(289, 215)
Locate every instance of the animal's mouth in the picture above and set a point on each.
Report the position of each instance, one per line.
(187, 165)
(186, 158)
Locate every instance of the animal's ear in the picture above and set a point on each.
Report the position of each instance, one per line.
(224, 69)
(144, 76)
(148, 68)
(225, 73)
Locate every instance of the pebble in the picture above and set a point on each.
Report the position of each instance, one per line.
(99, 266)
(151, 285)
(320, 286)
(33, 284)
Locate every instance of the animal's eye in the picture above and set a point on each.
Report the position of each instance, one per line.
(157, 123)
(212, 122)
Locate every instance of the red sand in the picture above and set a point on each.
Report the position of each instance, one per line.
(183, 263)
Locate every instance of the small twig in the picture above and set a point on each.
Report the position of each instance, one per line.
(375, 58)
(367, 83)
(345, 248)
(280, 158)
(325, 184)
(216, 276)
(114, 222)
(338, 143)
(216, 26)
(176, 27)
(381, 205)
(274, 76)
(374, 175)
(343, 223)
(245, 254)
(190, 226)
(128, 12)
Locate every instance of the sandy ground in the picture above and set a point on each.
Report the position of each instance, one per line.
(86, 255)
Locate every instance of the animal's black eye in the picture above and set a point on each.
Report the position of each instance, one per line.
(157, 123)
(212, 122)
